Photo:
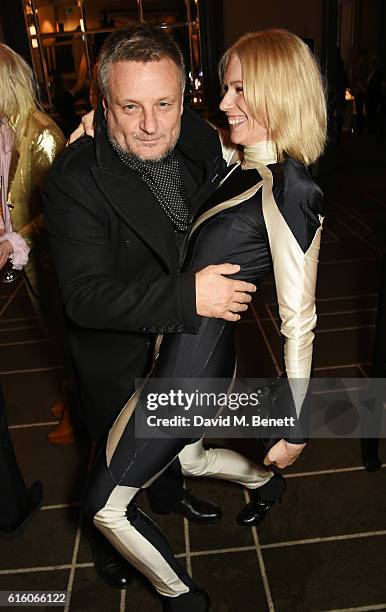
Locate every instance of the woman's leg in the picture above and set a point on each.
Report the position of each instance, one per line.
(124, 466)
(128, 464)
(222, 463)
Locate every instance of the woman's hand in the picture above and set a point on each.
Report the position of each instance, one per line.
(283, 454)
(86, 127)
(6, 250)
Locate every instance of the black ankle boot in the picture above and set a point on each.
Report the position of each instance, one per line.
(262, 500)
(34, 498)
(110, 566)
(196, 600)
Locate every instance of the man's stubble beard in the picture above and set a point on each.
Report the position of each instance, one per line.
(127, 151)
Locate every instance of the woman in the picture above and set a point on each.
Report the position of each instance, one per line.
(267, 212)
(29, 144)
(30, 141)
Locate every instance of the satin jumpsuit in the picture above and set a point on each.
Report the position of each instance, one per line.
(263, 216)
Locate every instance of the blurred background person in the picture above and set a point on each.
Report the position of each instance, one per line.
(64, 103)
(359, 78)
(30, 142)
(17, 502)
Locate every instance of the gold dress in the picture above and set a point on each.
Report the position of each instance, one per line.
(31, 159)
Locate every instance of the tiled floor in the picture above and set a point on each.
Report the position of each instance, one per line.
(324, 547)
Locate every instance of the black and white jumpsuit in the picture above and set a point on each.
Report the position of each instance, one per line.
(264, 215)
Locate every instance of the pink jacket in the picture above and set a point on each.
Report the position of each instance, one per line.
(19, 256)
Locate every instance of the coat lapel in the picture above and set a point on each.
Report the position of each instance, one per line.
(136, 206)
(201, 149)
(211, 169)
(12, 169)
(16, 153)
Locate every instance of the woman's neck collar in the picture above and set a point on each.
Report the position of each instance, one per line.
(263, 152)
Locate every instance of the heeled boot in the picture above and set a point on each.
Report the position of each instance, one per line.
(57, 410)
(196, 600)
(64, 432)
(262, 500)
(34, 496)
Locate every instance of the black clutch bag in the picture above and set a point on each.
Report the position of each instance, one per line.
(8, 274)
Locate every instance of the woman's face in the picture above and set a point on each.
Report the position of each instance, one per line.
(244, 129)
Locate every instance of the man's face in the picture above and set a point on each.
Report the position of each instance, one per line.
(145, 106)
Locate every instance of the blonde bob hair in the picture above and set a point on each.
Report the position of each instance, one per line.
(283, 90)
(17, 88)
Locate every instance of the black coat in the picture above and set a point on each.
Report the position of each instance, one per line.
(117, 262)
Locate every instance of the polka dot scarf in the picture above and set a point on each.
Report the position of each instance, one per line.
(164, 178)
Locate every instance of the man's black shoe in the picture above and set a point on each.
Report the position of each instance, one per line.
(262, 500)
(34, 501)
(195, 509)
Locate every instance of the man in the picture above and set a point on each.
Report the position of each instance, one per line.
(118, 210)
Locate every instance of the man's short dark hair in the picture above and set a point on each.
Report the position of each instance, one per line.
(138, 43)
